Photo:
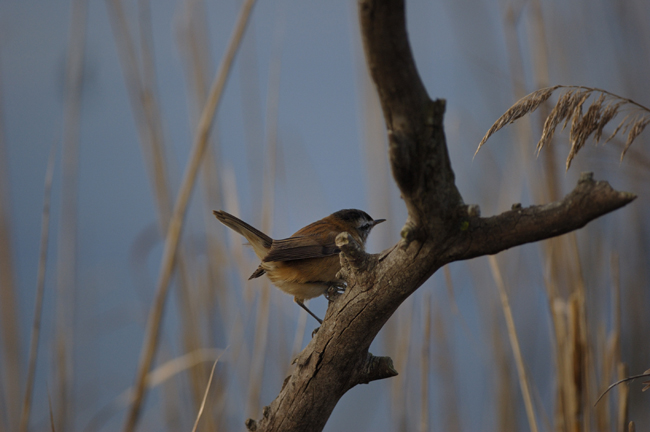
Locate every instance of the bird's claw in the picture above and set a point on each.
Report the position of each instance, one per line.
(334, 291)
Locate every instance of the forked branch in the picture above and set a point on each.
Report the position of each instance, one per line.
(440, 229)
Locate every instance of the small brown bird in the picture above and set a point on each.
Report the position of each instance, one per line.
(305, 264)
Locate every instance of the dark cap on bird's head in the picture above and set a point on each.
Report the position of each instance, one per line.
(360, 219)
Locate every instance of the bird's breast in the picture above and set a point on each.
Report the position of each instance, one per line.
(305, 278)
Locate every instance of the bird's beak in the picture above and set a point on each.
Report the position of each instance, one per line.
(378, 221)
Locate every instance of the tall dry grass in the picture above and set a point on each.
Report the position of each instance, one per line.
(468, 345)
(10, 332)
(67, 254)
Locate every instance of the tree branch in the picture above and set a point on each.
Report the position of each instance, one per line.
(439, 229)
(417, 146)
(589, 200)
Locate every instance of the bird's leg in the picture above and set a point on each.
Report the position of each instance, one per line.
(335, 290)
(302, 305)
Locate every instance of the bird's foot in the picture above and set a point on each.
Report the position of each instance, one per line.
(334, 291)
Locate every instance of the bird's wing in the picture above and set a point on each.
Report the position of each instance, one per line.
(302, 247)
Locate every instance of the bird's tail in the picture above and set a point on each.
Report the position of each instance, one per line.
(261, 242)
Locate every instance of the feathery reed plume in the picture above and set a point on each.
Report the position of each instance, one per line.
(569, 108)
(525, 105)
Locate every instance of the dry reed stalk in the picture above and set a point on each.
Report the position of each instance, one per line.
(612, 356)
(474, 342)
(191, 330)
(601, 414)
(541, 70)
(158, 376)
(569, 107)
(574, 365)
(67, 235)
(140, 77)
(268, 194)
(615, 350)
(425, 360)
(211, 295)
(623, 399)
(178, 215)
(557, 252)
(260, 343)
(558, 315)
(402, 349)
(573, 358)
(205, 396)
(518, 163)
(444, 363)
(450, 291)
(194, 37)
(514, 342)
(49, 404)
(40, 289)
(9, 322)
(374, 144)
(268, 200)
(506, 388)
(3, 406)
(144, 103)
(190, 338)
(240, 313)
(588, 371)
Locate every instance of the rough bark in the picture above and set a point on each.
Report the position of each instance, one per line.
(440, 229)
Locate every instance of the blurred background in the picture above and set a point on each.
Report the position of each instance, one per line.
(108, 94)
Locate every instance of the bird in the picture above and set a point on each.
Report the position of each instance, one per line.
(304, 265)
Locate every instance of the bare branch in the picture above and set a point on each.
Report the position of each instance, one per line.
(589, 200)
(417, 146)
(376, 368)
(439, 228)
